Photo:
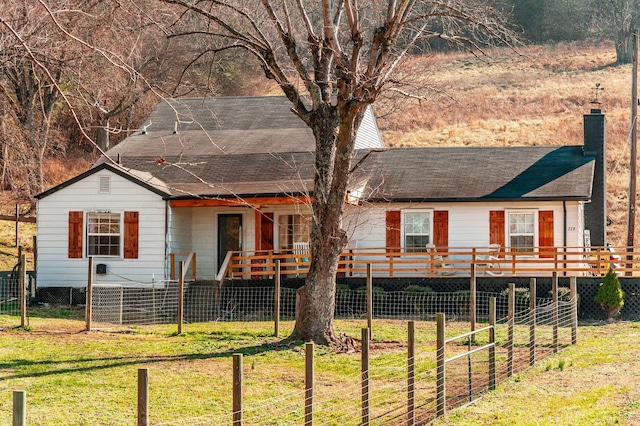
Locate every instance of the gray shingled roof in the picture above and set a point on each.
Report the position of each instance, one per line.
(224, 175)
(473, 173)
(218, 126)
(255, 146)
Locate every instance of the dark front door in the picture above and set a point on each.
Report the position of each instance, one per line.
(229, 235)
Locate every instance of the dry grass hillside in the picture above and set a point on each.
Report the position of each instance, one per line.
(536, 96)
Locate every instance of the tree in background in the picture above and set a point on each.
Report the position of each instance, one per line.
(617, 19)
(86, 71)
(32, 64)
(332, 59)
(543, 21)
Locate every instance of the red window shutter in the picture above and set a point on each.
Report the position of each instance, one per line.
(266, 231)
(131, 235)
(393, 230)
(257, 223)
(75, 234)
(545, 233)
(496, 228)
(441, 229)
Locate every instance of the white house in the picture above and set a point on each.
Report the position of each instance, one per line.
(210, 176)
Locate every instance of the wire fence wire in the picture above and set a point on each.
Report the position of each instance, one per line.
(158, 304)
(9, 297)
(339, 399)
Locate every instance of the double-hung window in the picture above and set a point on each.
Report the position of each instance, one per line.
(417, 228)
(293, 228)
(103, 234)
(522, 231)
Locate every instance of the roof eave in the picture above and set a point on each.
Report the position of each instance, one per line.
(472, 199)
(117, 170)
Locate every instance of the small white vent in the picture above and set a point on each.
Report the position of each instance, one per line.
(104, 185)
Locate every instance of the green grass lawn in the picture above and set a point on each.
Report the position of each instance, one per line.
(76, 378)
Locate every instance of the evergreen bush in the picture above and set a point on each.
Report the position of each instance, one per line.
(610, 295)
(414, 288)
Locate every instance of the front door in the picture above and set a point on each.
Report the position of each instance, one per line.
(229, 235)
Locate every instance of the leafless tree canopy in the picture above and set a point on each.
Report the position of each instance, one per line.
(324, 48)
(332, 58)
(80, 72)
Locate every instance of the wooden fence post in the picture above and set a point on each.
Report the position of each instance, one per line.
(180, 296)
(492, 340)
(237, 389)
(22, 272)
(172, 266)
(35, 262)
(370, 299)
(365, 376)
(308, 392)
(411, 374)
(573, 286)
(17, 225)
(511, 328)
(19, 408)
(276, 301)
(472, 300)
(554, 311)
(532, 321)
(441, 397)
(89, 295)
(143, 397)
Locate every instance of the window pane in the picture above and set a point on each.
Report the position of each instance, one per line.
(103, 234)
(417, 230)
(522, 231)
(293, 229)
(522, 243)
(416, 242)
(417, 222)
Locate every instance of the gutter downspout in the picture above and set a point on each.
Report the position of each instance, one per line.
(166, 240)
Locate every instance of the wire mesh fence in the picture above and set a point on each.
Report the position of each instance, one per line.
(9, 297)
(158, 304)
(339, 398)
(389, 398)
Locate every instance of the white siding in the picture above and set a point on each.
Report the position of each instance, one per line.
(204, 237)
(468, 222)
(180, 230)
(54, 268)
(368, 135)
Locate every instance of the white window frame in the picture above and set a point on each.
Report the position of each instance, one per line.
(282, 245)
(405, 234)
(534, 212)
(89, 234)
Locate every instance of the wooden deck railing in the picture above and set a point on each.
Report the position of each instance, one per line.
(454, 261)
(190, 261)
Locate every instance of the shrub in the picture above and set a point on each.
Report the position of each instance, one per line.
(610, 295)
(521, 295)
(564, 294)
(414, 288)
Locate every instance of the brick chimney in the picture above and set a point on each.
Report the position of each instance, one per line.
(595, 212)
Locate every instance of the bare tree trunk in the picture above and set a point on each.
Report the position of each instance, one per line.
(316, 299)
(102, 137)
(624, 50)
